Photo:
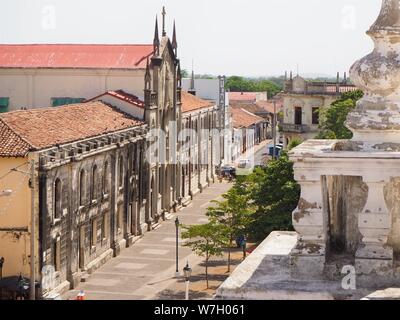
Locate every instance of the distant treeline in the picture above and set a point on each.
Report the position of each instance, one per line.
(272, 85)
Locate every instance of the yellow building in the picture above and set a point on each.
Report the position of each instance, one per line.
(15, 213)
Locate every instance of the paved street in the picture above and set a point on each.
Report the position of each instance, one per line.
(148, 267)
(260, 153)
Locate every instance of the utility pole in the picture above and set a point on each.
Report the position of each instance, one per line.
(274, 130)
(32, 258)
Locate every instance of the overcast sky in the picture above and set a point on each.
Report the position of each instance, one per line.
(232, 37)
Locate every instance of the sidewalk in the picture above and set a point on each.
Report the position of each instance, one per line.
(148, 267)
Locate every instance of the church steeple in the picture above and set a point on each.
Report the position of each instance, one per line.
(174, 41)
(192, 89)
(156, 41)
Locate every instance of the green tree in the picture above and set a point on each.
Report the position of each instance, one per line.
(240, 84)
(276, 194)
(185, 73)
(333, 118)
(206, 240)
(294, 143)
(234, 212)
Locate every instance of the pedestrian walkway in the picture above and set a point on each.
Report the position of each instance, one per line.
(148, 267)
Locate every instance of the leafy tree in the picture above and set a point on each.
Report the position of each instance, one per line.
(240, 84)
(294, 143)
(276, 195)
(185, 73)
(234, 212)
(207, 240)
(333, 118)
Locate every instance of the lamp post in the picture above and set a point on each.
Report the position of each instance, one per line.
(177, 274)
(1, 267)
(274, 130)
(187, 271)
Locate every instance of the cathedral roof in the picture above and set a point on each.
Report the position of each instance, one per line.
(23, 131)
(93, 56)
(193, 103)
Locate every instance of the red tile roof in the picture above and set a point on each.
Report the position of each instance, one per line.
(192, 103)
(243, 119)
(242, 96)
(122, 95)
(35, 129)
(258, 107)
(75, 56)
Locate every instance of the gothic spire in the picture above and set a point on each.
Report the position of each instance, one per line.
(174, 42)
(156, 41)
(192, 89)
(163, 21)
(147, 76)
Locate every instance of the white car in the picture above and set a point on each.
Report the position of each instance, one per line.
(244, 163)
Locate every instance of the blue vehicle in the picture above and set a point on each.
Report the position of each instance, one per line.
(278, 150)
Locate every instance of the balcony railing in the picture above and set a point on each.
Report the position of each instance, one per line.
(297, 128)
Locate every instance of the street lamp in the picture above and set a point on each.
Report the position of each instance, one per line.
(177, 274)
(187, 271)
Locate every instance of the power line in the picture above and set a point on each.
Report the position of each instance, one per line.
(11, 170)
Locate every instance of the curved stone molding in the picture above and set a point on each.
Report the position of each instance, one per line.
(374, 255)
(376, 118)
(308, 216)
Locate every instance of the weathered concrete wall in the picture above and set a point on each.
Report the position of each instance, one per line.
(347, 198)
(392, 196)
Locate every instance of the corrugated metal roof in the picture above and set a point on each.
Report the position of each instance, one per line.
(104, 56)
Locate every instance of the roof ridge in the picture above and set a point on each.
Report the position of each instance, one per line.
(250, 113)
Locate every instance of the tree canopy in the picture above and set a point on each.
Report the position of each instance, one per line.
(276, 194)
(241, 84)
(333, 118)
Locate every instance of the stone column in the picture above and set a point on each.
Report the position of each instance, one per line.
(308, 257)
(374, 223)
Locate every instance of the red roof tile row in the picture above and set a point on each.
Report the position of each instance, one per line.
(29, 130)
(192, 103)
(75, 56)
(243, 119)
(122, 95)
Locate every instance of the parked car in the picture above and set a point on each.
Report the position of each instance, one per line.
(244, 163)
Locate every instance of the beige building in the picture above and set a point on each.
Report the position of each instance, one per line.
(302, 101)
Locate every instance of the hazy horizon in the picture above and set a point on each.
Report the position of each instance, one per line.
(250, 38)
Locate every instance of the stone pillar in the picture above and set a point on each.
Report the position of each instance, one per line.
(374, 255)
(308, 257)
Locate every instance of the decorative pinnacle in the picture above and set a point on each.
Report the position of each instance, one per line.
(389, 18)
(174, 42)
(163, 22)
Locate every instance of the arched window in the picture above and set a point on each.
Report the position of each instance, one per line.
(121, 172)
(106, 179)
(82, 187)
(57, 199)
(95, 183)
